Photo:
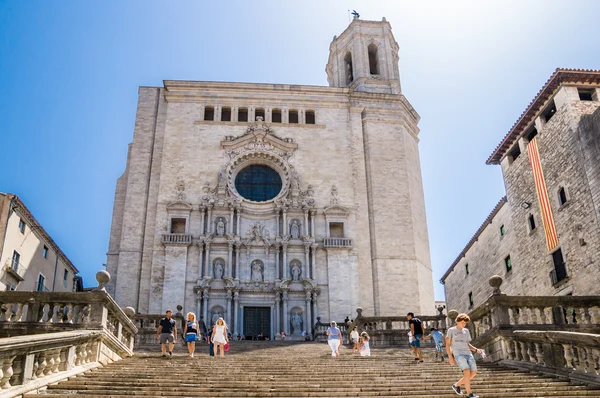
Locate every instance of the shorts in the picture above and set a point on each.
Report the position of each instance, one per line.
(355, 340)
(190, 337)
(164, 337)
(417, 341)
(438, 347)
(466, 361)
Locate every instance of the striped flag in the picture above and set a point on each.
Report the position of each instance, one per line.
(542, 194)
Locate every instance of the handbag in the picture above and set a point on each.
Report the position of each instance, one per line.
(226, 347)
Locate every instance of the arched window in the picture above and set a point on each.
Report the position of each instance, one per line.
(209, 113)
(373, 64)
(293, 116)
(259, 112)
(348, 68)
(276, 115)
(226, 114)
(243, 115)
(310, 117)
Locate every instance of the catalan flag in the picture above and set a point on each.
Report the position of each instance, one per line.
(542, 194)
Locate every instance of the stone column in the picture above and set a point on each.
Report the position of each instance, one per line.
(285, 227)
(200, 262)
(316, 301)
(207, 260)
(209, 227)
(286, 323)
(314, 260)
(237, 224)
(306, 264)
(236, 313)
(238, 248)
(277, 229)
(228, 316)
(277, 263)
(230, 221)
(198, 300)
(202, 210)
(308, 314)
(229, 259)
(312, 222)
(285, 265)
(205, 310)
(305, 222)
(276, 314)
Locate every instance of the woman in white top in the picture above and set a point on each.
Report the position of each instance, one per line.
(219, 336)
(365, 350)
(354, 339)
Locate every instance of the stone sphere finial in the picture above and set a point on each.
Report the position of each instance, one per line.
(452, 314)
(495, 282)
(129, 311)
(103, 277)
(359, 312)
(441, 309)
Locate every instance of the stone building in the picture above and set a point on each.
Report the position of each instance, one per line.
(29, 257)
(543, 238)
(272, 204)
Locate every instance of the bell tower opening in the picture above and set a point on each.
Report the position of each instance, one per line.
(373, 67)
(348, 68)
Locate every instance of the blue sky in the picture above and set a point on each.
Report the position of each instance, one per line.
(69, 73)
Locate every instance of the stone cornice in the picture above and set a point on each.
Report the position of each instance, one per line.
(559, 78)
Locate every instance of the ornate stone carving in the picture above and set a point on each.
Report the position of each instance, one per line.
(295, 270)
(295, 229)
(296, 322)
(257, 235)
(180, 195)
(334, 200)
(219, 266)
(257, 271)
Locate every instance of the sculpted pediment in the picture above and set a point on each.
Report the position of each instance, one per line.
(258, 137)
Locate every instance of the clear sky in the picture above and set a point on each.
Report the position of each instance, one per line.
(69, 73)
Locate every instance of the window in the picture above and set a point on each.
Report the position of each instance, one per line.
(21, 226)
(508, 264)
(16, 259)
(310, 117)
(531, 220)
(467, 268)
(293, 116)
(258, 183)
(10, 287)
(471, 302)
(259, 112)
(226, 114)
(549, 111)
(209, 113)
(243, 115)
(531, 133)
(178, 225)
(586, 94)
(40, 285)
(373, 67)
(276, 115)
(562, 196)
(45, 252)
(348, 68)
(502, 230)
(65, 278)
(336, 229)
(560, 269)
(514, 153)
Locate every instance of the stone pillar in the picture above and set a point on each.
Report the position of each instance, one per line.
(285, 226)
(305, 222)
(200, 262)
(230, 221)
(207, 264)
(316, 301)
(312, 222)
(237, 224)
(276, 315)
(236, 313)
(209, 227)
(308, 313)
(238, 248)
(229, 259)
(202, 210)
(314, 260)
(285, 265)
(306, 264)
(277, 263)
(277, 229)
(228, 315)
(286, 323)
(205, 310)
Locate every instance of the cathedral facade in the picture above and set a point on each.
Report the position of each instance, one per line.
(273, 204)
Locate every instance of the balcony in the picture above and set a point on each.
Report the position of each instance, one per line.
(337, 242)
(176, 239)
(16, 269)
(558, 274)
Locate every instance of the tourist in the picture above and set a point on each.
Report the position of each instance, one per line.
(438, 338)
(190, 331)
(354, 339)
(416, 327)
(365, 350)
(167, 332)
(282, 335)
(334, 338)
(411, 340)
(219, 336)
(457, 339)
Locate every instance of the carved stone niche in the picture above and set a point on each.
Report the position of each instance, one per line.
(220, 227)
(295, 228)
(336, 219)
(178, 215)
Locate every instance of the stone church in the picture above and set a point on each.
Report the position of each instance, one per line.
(274, 204)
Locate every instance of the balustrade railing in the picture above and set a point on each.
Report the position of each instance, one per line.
(337, 242)
(15, 268)
(177, 239)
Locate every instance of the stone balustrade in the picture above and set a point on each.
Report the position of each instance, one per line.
(319, 332)
(337, 242)
(47, 337)
(176, 239)
(556, 334)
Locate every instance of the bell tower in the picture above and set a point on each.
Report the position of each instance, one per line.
(365, 58)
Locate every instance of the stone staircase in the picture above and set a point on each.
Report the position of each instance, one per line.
(291, 369)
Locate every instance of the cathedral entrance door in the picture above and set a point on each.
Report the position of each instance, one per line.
(257, 320)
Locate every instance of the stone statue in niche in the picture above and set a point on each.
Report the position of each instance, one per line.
(296, 272)
(296, 323)
(216, 316)
(220, 227)
(222, 180)
(219, 266)
(295, 229)
(257, 271)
